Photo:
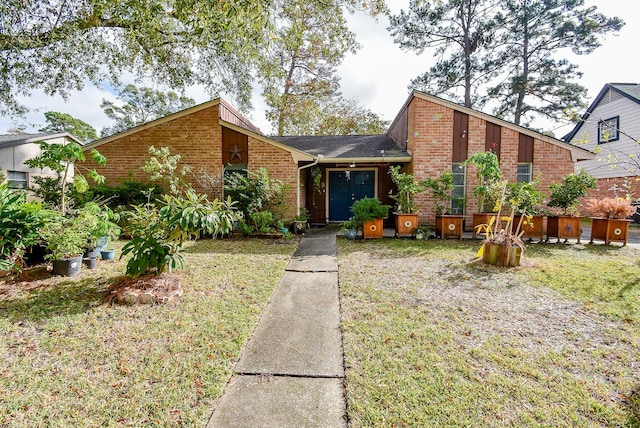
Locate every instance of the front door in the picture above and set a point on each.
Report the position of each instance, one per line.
(346, 187)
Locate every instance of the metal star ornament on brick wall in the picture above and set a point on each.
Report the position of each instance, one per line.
(235, 152)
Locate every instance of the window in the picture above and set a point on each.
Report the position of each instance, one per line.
(17, 179)
(457, 194)
(608, 130)
(524, 173)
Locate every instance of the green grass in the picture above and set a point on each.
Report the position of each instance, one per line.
(69, 359)
(432, 337)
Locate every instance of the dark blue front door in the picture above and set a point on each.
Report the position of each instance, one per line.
(347, 187)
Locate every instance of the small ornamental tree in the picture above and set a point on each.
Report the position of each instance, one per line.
(61, 158)
(407, 189)
(488, 173)
(566, 195)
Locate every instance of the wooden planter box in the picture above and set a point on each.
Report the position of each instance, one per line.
(372, 229)
(449, 226)
(501, 255)
(406, 225)
(533, 229)
(481, 218)
(563, 227)
(610, 230)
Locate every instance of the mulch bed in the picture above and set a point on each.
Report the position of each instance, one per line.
(149, 289)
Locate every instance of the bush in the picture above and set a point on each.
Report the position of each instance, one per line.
(20, 222)
(566, 194)
(256, 192)
(611, 207)
(367, 209)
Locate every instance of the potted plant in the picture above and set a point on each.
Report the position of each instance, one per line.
(488, 175)
(565, 197)
(447, 225)
(300, 222)
(102, 225)
(65, 239)
(350, 228)
(503, 244)
(406, 210)
(422, 233)
(525, 198)
(370, 212)
(610, 223)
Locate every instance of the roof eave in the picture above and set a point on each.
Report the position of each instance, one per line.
(366, 159)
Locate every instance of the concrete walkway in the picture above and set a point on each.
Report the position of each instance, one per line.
(291, 372)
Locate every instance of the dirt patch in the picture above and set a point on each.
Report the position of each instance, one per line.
(150, 289)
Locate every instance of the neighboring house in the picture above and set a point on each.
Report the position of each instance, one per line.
(18, 148)
(611, 128)
(326, 174)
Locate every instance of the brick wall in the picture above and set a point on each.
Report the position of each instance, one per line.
(280, 165)
(430, 142)
(197, 137)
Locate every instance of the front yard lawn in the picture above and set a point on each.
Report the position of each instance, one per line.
(434, 338)
(70, 359)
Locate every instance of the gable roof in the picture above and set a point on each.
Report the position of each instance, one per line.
(630, 91)
(356, 148)
(577, 153)
(10, 140)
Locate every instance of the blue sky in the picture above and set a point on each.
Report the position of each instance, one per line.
(378, 75)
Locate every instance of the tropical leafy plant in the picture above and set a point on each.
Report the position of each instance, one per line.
(351, 224)
(158, 234)
(101, 222)
(20, 222)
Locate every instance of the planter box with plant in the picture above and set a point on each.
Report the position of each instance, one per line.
(612, 224)
(565, 198)
(488, 175)
(526, 200)
(406, 211)
(447, 225)
(370, 212)
(503, 244)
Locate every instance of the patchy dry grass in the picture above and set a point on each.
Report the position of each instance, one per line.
(69, 359)
(434, 338)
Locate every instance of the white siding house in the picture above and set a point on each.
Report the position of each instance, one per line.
(16, 149)
(611, 128)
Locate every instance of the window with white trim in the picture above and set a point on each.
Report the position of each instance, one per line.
(524, 173)
(608, 130)
(17, 179)
(457, 194)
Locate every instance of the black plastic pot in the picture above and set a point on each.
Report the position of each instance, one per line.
(67, 267)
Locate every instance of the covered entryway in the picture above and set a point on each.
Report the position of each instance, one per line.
(346, 187)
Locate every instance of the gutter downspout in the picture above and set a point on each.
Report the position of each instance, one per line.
(314, 163)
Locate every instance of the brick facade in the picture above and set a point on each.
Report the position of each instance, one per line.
(430, 142)
(197, 137)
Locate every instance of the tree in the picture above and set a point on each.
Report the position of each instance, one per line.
(344, 117)
(141, 105)
(63, 122)
(298, 73)
(58, 46)
(62, 158)
(462, 29)
(533, 31)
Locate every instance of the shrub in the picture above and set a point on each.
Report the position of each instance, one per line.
(566, 195)
(256, 192)
(20, 222)
(367, 209)
(611, 207)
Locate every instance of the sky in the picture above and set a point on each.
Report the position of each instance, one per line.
(378, 75)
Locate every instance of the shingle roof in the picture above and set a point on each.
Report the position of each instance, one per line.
(8, 140)
(346, 147)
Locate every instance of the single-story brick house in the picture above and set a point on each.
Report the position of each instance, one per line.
(326, 174)
(15, 149)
